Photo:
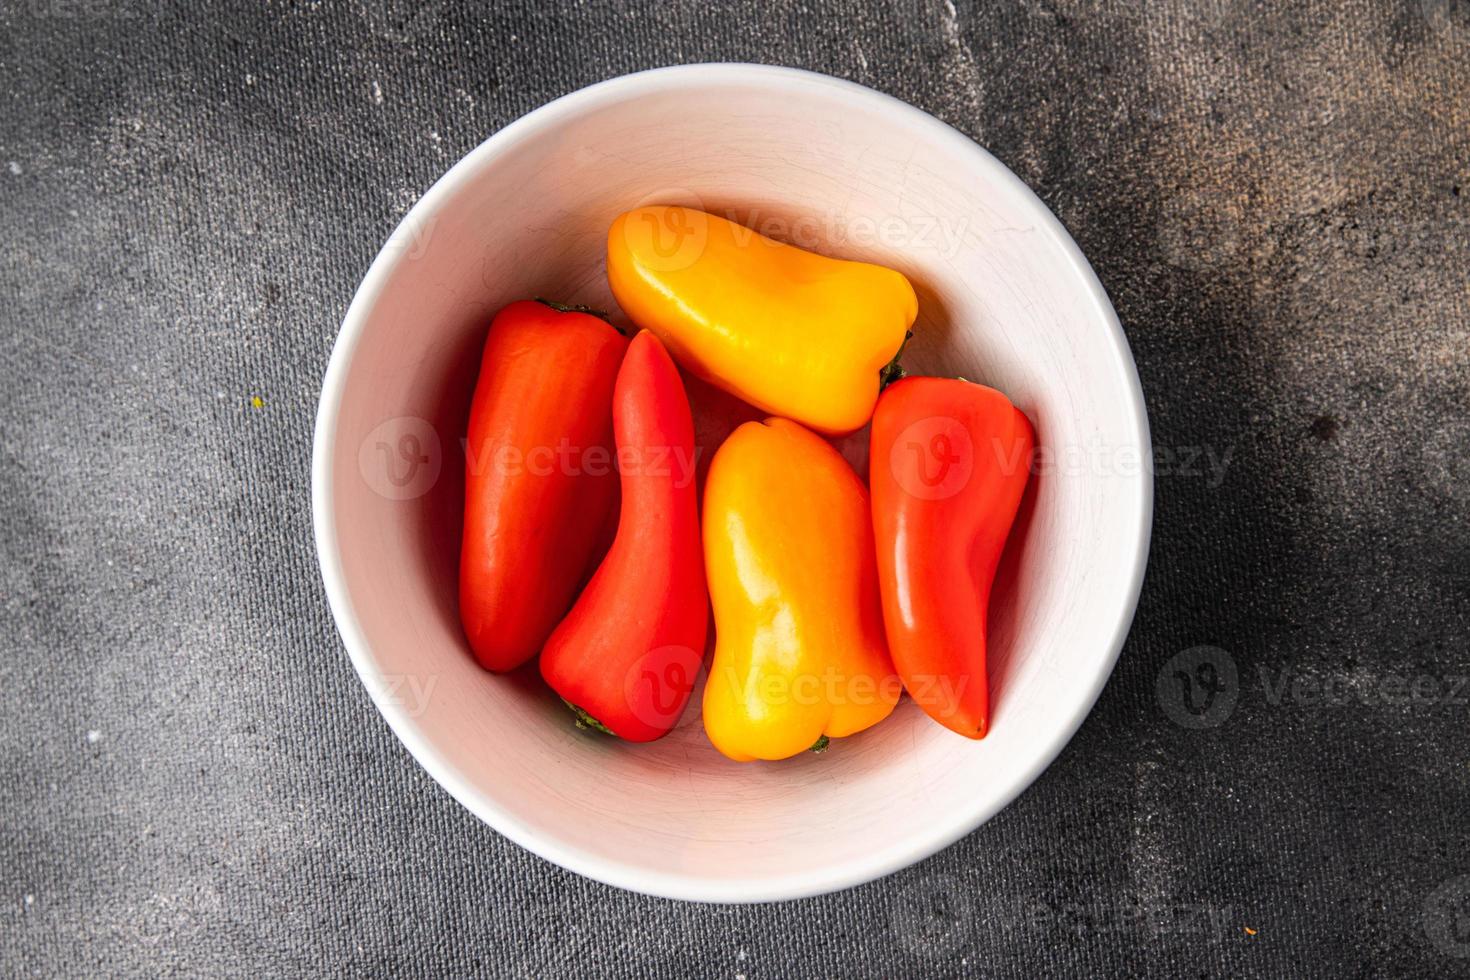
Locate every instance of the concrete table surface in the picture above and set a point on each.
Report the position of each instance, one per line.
(1277, 198)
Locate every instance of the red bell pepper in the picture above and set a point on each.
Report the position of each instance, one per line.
(626, 656)
(536, 500)
(948, 463)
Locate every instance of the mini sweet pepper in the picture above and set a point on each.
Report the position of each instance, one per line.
(626, 656)
(788, 547)
(535, 517)
(948, 463)
(793, 333)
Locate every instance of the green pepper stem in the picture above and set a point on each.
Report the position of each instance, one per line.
(893, 371)
(820, 745)
(585, 721)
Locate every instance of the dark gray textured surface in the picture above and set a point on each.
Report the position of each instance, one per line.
(192, 780)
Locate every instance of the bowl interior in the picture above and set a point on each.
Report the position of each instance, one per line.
(1005, 299)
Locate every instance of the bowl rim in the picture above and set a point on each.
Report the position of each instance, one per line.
(881, 861)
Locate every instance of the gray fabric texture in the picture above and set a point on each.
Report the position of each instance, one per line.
(192, 779)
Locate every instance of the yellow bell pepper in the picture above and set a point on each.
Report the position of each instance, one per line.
(800, 654)
(791, 332)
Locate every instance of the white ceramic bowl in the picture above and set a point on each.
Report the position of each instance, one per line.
(1005, 298)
